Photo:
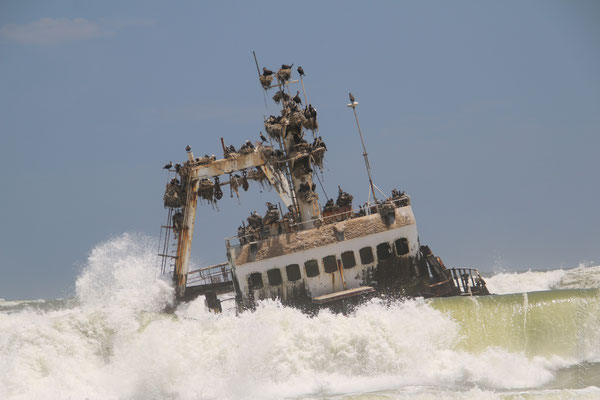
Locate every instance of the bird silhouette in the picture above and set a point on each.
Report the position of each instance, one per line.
(267, 72)
(297, 98)
(169, 165)
(300, 71)
(285, 66)
(351, 97)
(188, 148)
(262, 137)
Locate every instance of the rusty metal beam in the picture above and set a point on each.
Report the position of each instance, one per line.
(229, 165)
(184, 244)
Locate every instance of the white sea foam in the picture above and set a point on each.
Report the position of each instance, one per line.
(582, 277)
(116, 344)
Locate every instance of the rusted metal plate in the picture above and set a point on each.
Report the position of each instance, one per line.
(344, 294)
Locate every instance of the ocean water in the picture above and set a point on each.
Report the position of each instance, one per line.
(537, 338)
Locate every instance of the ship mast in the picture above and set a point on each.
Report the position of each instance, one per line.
(353, 103)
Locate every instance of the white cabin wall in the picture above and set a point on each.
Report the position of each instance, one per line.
(325, 282)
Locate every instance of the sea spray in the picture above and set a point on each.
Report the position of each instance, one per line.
(582, 277)
(114, 343)
(121, 274)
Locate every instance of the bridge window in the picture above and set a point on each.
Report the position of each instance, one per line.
(312, 268)
(348, 260)
(274, 276)
(330, 264)
(255, 281)
(384, 251)
(402, 246)
(366, 255)
(293, 272)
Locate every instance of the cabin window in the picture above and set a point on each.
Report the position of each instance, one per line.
(348, 260)
(330, 264)
(293, 272)
(312, 268)
(384, 251)
(366, 255)
(274, 276)
(255, 281)
(402, 246)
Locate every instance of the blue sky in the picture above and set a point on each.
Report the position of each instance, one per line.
(486, 113)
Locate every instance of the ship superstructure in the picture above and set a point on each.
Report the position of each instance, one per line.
(299, 252)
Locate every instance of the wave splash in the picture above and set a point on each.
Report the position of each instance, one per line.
(582, 277)
(115, 343)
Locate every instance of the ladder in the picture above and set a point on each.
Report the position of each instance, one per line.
(167, 250)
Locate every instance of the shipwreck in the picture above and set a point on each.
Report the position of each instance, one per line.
(303, 253)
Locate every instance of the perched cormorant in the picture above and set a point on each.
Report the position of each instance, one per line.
(285, 66)
(351, 97)
(188, 148)
(262, 137)
(297, 98)
(300, 71)
(267, 72)
(169, 165)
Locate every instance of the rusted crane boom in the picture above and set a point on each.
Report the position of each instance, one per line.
(194, 171)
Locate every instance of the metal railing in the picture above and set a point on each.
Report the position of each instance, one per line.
(219, 273)
(368, 208)
(467, 280)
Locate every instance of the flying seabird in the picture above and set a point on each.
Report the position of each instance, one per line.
(169, 165)
(300, 71)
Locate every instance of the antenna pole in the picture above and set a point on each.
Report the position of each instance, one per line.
(256, 62)
(353, 105)
(304, 91)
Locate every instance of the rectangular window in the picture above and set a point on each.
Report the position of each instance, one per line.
(384, 251)
(401, 246)
(312, 268)
(255, 281)
(348, 260)
(293, 272)
(274, 276)
(366, 255)
(330, 264)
